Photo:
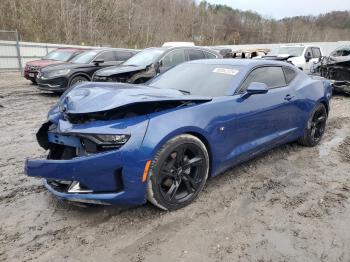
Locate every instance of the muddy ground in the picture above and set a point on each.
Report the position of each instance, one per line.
(290, 204)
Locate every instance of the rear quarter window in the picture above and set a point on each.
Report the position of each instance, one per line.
(209, 55)
(123, 55)
(289, 73)
(195, 54)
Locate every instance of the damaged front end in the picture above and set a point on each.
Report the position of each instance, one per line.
(94, 141)
(337, 69)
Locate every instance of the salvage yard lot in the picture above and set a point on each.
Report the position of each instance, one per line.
(290, 204)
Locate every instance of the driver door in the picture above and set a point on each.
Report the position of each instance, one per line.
(264, 120)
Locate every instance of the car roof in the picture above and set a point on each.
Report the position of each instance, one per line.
(72, 49)
(112, 49)
(239, 62)
(166, 48)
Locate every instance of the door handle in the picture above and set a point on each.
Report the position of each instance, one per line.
(288, 97)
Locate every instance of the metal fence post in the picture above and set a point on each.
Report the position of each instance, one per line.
(18, 53)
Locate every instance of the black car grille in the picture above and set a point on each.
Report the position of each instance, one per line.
(32, 68)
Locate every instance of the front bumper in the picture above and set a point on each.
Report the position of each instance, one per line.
(30, 75)
(58, 84)
(107, 177)
(103, 174)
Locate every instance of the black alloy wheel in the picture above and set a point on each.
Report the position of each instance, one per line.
(316, 127)
(178, 172)
(77, 80)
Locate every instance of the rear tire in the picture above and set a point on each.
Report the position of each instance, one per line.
(178, 172)
(315, 127)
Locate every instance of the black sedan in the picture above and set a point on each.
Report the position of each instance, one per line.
(57, 78)
(150, 62)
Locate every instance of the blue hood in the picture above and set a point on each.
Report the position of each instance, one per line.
(97, 97)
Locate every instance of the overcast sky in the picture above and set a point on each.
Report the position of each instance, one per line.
(284, 8)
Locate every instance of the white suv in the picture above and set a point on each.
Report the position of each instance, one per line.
(302, 56)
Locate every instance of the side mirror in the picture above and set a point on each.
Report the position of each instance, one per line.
(97, 62)
(255, 88)
(308, 57)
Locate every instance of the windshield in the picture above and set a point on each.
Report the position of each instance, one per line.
(85, 58)
(59, 55)
(288, 50)
(144, 58)
(198, 79)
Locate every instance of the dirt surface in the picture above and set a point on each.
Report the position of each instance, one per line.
(290, 204)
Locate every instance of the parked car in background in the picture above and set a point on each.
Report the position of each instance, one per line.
(117, 143)
(302, 56)
(57, 56)
(336, 67)
(172, 44)
(249, 53)
(150, 62)
(223, 51)
(57, 78)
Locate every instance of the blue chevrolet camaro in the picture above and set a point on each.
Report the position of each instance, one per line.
(113, 143)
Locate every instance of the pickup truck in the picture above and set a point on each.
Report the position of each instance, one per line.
(302, 56)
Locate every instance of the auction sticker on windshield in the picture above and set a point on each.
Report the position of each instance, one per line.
(226, 71)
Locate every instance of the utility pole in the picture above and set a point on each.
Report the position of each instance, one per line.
(214, 30)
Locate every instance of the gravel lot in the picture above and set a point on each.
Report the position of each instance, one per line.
(290, 204)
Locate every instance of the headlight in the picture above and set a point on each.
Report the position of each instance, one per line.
(95, 142)
(55, 73)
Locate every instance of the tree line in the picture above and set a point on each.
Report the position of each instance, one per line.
(142, 23)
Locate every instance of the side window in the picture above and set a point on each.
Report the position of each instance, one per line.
(346, 52)
(123, 55)
(173, 58)
(106, 56)
(209, 55)
(316, 53)
(308, 53)
(195, 54)
(272, 76)
(289, 73)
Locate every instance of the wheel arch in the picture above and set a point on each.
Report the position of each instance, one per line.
(207, 146)
(326, 105)
(78, 74)
(194, 131)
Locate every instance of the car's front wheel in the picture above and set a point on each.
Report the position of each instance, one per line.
(77, 80)
(316, 126)
(178, 172)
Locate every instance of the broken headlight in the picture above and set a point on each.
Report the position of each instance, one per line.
(100, 142)
(113, 139)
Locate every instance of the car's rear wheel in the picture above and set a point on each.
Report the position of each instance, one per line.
(77, 80)
(315, 127)
(178, 172)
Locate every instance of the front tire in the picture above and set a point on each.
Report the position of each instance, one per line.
(178, 172)
(77, 80)
(316, 126)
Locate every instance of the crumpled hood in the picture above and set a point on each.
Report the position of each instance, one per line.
(337, 59)
(97, 97)
(115, 70)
